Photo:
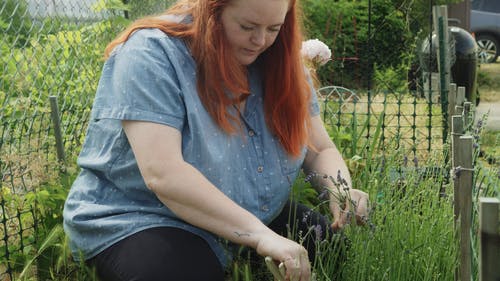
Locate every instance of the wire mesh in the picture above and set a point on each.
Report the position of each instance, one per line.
(48, 48)
(382, 121)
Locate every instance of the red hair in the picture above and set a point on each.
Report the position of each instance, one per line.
(286, 91)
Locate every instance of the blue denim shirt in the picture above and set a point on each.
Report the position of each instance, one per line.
(152, 77)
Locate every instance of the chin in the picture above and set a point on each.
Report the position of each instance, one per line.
(246, 61)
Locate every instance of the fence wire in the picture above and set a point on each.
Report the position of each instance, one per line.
(382, 121)
(55, 47)
(47, 48)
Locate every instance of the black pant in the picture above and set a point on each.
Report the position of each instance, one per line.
(167, 253)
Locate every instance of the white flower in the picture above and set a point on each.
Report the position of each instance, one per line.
(316, 51)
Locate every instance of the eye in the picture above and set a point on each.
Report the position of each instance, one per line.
(246, 28)
(274, 29)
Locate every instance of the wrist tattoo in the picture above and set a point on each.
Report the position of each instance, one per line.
(241, 234)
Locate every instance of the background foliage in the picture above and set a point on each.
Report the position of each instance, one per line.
(368, 37)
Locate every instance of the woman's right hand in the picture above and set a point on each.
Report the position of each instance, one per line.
(293, 255)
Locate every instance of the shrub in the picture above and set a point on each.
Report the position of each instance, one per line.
(15, 23)
(395, 27)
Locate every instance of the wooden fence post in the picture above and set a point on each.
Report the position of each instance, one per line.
(459, 100)
(463, 173)
(469, 118)
(457, 130)
(489, 249)
(452, 104)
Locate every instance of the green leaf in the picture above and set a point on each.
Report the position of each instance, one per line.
(103, 5)
(52, 239)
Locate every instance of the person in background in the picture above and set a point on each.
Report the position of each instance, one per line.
(202, 120)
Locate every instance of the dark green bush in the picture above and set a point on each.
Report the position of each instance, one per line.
(15, 23)
(359, 40)
(133, 9)
(140, 8)
(344, 26)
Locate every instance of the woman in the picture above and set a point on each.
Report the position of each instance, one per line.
(201, 122)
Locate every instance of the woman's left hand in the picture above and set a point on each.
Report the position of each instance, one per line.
(345, 204)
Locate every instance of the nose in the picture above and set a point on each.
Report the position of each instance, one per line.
(258, 37)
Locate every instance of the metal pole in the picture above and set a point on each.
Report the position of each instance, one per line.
(54, 113)
(370, 66)
(370, 48)
(125, 12)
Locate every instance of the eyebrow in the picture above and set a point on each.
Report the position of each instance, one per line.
(254, 23)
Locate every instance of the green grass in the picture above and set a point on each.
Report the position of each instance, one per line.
(409, 236)
(488, 82)
(490, 147)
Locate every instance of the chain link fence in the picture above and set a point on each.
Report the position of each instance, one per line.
(54, 48)
(48, 48)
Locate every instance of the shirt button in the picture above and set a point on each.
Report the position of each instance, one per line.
(260, 169)
(251, 133)
(264, 208)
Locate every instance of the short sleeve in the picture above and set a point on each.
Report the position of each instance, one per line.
(314, 108)
(139, 82)
(314, 105)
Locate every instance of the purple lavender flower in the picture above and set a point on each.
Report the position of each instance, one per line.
(319, 232)
(346, 185)
(309, 177)
(339, 176)
(323, 195)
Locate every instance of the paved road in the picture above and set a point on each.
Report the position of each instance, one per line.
(493, 111)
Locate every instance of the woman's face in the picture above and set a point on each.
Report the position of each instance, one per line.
(251, 26)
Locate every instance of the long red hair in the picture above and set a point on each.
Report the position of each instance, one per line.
(286, 91)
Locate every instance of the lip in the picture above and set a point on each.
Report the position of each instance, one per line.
(250, 52)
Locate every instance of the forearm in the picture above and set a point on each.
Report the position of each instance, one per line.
(194, 199)
(329, 172)
(327, 169)
(323, 158)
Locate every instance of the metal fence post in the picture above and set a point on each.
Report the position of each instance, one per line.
(56, 122)
(440, 16)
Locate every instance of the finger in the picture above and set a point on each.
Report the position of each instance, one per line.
(305, 274)
(282, 270)
(345, 215)
(362, 210)
(296, 276)
(335, 208)
(274, 269)
(292, 269)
